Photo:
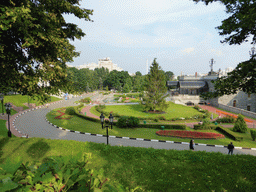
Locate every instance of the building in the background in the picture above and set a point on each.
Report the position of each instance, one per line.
(106, 63)
(189, 87)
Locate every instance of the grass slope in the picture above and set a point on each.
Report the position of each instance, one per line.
(152, 169)
(19, 100)
(82, 125)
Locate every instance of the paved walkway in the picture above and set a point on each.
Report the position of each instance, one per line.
(34, 124)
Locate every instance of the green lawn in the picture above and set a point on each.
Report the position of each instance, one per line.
(152, 169)
(19, 100)
(3, 129)
(82, 125)
(173, 111)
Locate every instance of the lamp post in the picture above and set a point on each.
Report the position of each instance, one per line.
(106, 126)
(8, 111)
(253, 52)
(2, 100)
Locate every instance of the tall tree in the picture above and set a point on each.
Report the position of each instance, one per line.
(154, 98)
(240, 24)
(34, 44)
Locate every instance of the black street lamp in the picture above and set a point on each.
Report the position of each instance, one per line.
(106, 126)
(2, 100)
(8, 111)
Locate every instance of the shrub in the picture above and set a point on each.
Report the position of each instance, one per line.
(229, 133)
(253, 134)
(228, 119)
(70, 111)
(156, 120)
(161, 118)
(129, 122)
(206, 123)
(196, 107)
(85, 100)
(240, 125)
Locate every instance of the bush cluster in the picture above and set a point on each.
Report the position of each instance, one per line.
(85, 100)
(253, 134)
(128, 122)
(228, 119)
(70, 111)
(166, 126)
(240, 125)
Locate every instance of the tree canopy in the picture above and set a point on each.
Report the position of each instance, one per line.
(34, 44)
(240, 24)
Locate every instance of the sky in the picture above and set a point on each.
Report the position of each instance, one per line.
(181, 35)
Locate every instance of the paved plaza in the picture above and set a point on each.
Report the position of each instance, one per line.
(33, 123)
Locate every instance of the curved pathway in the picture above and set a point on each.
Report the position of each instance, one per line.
(33, 124)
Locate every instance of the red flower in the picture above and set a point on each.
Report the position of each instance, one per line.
(189, 134)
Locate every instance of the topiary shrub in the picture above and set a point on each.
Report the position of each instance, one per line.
(253, 134)
(240, 125)
(70, 111)
(128, 122)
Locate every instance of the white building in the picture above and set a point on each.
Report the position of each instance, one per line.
(106, 63)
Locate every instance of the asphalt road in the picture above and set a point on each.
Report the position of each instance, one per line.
(33, 124)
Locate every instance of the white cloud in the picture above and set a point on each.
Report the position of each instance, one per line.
(188, 50)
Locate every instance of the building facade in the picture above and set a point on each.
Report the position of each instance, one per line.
(106, 63)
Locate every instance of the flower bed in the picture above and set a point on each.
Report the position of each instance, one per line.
(62, 114)
(190, 134)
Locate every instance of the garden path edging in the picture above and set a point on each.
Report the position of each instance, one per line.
(142, 139)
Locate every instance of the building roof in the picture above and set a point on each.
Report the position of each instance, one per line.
(172, 83)
(192, 84)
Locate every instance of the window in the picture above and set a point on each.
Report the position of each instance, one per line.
(248, 108)
(234, 103)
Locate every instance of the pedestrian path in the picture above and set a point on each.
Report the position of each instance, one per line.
(32, 123)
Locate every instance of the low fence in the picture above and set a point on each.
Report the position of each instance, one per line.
(237, 110)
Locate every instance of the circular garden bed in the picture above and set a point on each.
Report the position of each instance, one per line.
(190, 134)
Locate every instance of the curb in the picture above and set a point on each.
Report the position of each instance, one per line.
(142, 139)
(28, 110)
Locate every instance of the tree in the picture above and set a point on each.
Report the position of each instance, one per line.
(240, 24)
(240, 124)
(169, 75)
(242, 78)
(126, 88)
(237, 27)
(155, 89)
(34, 45)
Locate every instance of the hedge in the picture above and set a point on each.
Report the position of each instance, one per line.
(229, 133)
(166, 126)
(200, 127)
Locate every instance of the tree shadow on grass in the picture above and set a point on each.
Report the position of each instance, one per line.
(38, 149)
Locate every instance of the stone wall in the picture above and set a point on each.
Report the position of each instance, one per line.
(237, 110)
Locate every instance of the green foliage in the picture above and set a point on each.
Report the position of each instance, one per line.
(85, 100)
(240, 125)
(67, 173)
(201, 127)
(237, 28)
(154, 98)
(229, 133)
(70, 111)
(126, 88)
(128, 122)
(41, 47)
(228, 119)
(253, 134)
(166, 126)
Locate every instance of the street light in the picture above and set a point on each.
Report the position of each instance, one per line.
(2, 100)
(106, 126)
(8, 111)
(253, 52)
